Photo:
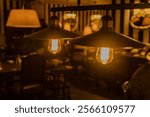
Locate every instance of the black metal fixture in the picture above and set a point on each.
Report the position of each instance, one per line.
(102, 7)
(106, 39)
(54, 34)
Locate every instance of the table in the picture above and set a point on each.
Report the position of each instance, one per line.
(7, 71)
(9, 68)
(56, 72)
(56, 81)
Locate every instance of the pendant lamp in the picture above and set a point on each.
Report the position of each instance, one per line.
(23, 18)
(54, 34)
(105, 40)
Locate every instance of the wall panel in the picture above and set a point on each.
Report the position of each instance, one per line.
(121, 21)
(121, 17)
(1, 17)
(126, 20)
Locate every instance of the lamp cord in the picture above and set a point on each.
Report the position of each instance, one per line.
(22, 3)
(78, 2)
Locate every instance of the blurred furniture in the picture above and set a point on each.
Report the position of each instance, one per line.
(56, 81)
(7, 67)
(30, 84)
(77, 59)
(126, 89)
(7, 71)
(101, 79)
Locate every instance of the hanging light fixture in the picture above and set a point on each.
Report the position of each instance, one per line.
(105, 40)
(23, 18)
(54, 34)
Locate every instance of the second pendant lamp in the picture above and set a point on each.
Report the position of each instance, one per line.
(105, 40)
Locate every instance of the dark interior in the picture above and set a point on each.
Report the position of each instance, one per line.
(74, 73)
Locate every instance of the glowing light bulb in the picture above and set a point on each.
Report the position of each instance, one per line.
(104, 55)
(54, 46)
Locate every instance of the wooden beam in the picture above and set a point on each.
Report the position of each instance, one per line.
(102, 7)
(2, 16)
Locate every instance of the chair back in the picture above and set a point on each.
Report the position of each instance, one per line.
(32, 70)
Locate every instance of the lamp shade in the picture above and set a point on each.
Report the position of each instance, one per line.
(52, 32)
(107, 37)
(23, 18)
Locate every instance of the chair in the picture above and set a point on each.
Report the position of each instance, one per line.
(77, 60)
(30, 85)
(126, 89)
(56, 82)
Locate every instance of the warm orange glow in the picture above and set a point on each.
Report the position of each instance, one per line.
(104, 55)
(23, 18)
(54, 46)
(69, 15)
(87, 30)
(67, 26)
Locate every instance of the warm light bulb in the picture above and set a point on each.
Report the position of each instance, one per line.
(104, 55)
(54, 46)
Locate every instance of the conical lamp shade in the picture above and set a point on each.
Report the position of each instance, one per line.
(107, 37)
(23, 18)
(52, 32)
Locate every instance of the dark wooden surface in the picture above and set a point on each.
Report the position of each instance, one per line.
(9, 67)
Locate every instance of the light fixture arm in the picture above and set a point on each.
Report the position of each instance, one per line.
(78, 2)
(107, 22)
(54, 21)
(102, 7)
